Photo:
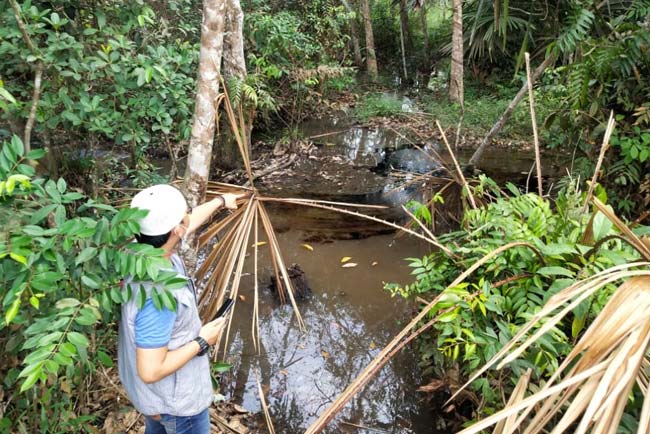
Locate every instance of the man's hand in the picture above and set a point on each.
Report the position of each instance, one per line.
(212, 330)
(230, 200)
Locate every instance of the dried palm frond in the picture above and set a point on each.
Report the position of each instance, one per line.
(590, 389)
(592, 385)
(265, 408)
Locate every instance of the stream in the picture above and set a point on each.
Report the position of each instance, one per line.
(349, 318)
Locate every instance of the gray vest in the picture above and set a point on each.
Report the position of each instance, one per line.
(187, 391)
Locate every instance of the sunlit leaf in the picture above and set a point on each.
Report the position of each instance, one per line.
(349, 265)
(307, 246)
(345, 259)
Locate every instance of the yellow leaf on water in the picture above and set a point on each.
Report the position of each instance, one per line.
(325, 354)
(242, 298)
(374, 263)
(284, 372)
(258, 244)
(345, 259)
(349, 265)
(372, 345)
(308, 247)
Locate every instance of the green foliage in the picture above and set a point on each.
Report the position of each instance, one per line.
(62, 257)
(481, 314)
(378, 104)
(114, 72)
(296, 54)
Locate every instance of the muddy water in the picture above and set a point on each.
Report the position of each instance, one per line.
(348, 318)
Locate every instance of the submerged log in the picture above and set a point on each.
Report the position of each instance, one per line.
(298, 282)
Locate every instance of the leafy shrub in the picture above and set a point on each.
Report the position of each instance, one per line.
(378, 104)
(114, 73)
(486, 310)
(61, 260)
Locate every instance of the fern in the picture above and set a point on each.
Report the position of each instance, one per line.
(577, 29)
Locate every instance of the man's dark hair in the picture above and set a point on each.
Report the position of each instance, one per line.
(153, 240)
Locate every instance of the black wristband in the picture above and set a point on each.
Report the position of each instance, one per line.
(203, 344)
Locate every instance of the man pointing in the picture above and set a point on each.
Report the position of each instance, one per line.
(162, 355)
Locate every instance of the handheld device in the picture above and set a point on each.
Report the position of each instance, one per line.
(225, 308)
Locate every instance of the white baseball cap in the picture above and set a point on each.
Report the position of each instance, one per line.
(166, 206)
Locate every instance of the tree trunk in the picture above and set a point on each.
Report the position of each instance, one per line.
(371, 58)
(456, 74)
(404, 22)
(199, 153)
(38, 76)
(425, 31)
(354, 35)
(401, 41)
(476, 157)
(234, 66)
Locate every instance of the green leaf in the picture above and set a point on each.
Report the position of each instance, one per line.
(33, 230)
(141, 297)
(77, 339)
(169, 301)
(11, 313)
(33, 300)
(221, 367)
(66, 303)
(555, 271)
(61, 185)
(601, 225)
(18, 258)
(6, 95)
(17, 146)
(42, 213)
(85, 255)
(31, 380)
(89, 282)
(35, 154)
(105, 359)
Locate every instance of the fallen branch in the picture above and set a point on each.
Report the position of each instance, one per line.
(508, 112)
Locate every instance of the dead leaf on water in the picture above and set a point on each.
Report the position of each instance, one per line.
(284, 372)
(242, 298)
(325, 354)
(349, 265)
(374, 263)
(345, 259)
(258, 244)
(308, 247)
(372, 345)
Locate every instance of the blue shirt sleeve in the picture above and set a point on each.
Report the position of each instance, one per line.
(153, 327)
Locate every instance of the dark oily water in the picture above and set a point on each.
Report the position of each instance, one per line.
(349, 319)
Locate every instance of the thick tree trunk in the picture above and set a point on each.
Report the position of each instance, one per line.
(456, 92)
(404, 22)
(425, 31)
(354, 35)
(476, 157)
(234, 66)
(199, 153)
(371, 58)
